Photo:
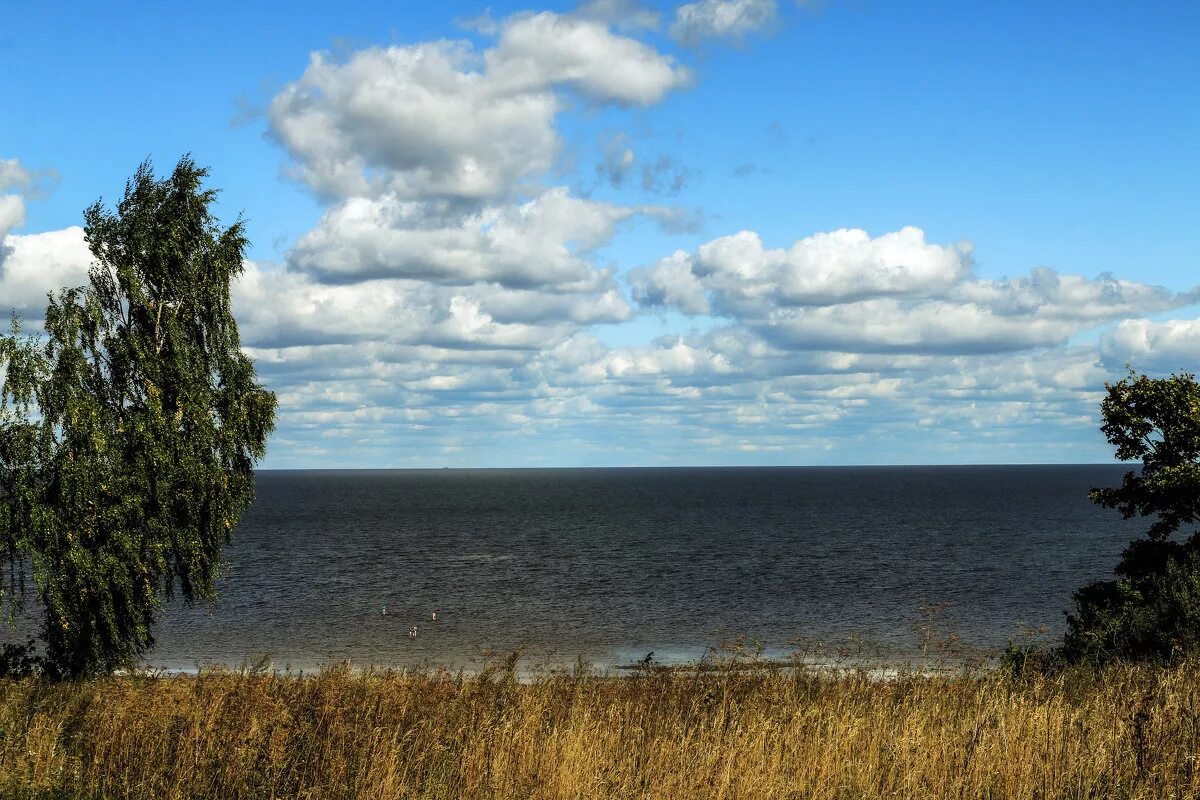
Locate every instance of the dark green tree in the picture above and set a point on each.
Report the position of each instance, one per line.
(1151, 611)
(129, 430)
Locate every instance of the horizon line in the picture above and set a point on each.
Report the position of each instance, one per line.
(695, 466)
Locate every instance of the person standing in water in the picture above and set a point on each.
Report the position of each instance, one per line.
(433, 616)
(412, 634)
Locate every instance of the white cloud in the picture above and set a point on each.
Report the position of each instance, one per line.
(277, 308)
(450, 300)
(978, 317)
(1047, 293)
(439, 119)
(33, 264)
(540, 243)
(14, 176)
(455, 372)
(12, 214)
(845, 291)
(674, 357)
(742, 277)
(830, 268)
(12, 206)
(412, 120)
(671, 283)
(929, 326)
(1161, 346)
(539, 51)
(388, 370)
(721, 19)
(440, 243)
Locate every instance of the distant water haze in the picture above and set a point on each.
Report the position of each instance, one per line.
(614, 563)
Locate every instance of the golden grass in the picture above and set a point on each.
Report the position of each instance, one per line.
(730, 733)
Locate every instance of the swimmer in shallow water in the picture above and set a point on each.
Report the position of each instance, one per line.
(412, 634)
(433, 616)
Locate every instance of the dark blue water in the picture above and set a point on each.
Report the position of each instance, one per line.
(615, 563)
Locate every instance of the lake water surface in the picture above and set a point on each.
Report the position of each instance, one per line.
(615, 563)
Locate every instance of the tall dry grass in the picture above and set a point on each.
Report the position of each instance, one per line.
(728, 733)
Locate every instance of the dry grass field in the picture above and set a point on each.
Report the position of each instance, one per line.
(731, 732)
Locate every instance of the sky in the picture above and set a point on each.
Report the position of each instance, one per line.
(723, 232)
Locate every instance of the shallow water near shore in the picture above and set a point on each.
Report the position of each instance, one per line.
(613, 564)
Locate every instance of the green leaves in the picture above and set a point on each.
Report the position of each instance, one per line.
(129, 433)
(1152, 611)
(1158, 422)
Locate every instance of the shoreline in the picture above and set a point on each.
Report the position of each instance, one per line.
(527, 670)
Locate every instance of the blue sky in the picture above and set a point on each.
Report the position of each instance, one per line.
(719, 232)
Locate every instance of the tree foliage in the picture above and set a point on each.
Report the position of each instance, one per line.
(130, 429)
(1151, 612)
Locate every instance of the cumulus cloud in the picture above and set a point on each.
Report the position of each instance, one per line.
(450, 299)
(443, 263)
(411, 120)
(736, 275)
(721, 19)
(930, 326)
(1160, 346)
(1044, 310)
(728, 390)
(33, 264)
(405, 363)
(1071, 297)
(279, 308)
(671, 283)
(539, 243)
(441, 119)
(846, 291)
(539, 51)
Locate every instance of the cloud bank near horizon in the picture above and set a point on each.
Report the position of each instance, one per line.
(455, 302)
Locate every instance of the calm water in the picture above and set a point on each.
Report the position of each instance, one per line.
(615, 563)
